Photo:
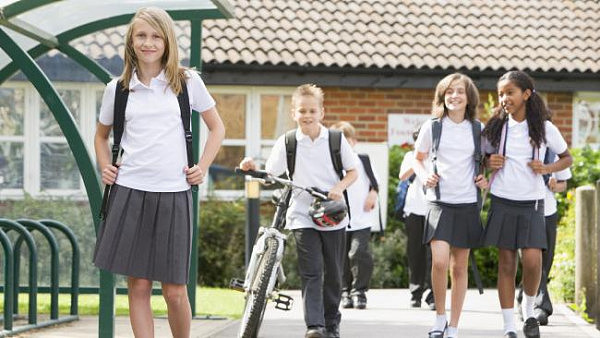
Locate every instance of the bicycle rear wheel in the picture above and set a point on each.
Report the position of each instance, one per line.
(256, 298)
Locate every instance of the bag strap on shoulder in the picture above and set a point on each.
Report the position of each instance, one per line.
(436, 135)
(366, 162)
(477, 157)
(290, 152)
(335, 145)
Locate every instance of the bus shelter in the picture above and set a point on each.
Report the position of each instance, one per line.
(31, 28)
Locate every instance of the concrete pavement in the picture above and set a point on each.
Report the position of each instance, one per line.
(387, 315)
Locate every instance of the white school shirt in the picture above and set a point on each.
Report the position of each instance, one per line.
(550, 200)
(313, 169)
(415, 202)
(455, 162)
(515, 180)
(154, 152)
(357, 195)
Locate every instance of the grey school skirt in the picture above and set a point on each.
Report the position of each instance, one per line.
(515, 224)
(146, 235)
(457, 224)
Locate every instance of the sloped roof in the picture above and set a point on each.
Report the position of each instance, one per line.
(476, 35)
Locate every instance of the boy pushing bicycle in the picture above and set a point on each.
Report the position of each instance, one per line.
(320, 247)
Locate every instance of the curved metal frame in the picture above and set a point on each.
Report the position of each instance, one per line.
(74, 261)
(23, 233)
(34, 225)
(8, 280)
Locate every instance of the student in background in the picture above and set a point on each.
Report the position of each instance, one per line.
(419, 254)
(362, 195)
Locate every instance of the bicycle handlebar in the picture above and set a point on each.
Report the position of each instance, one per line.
(266, 178)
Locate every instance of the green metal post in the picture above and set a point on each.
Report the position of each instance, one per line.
(8, 281)
(195, 61)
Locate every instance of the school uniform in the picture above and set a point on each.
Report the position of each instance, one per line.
(419, 254)
(516, 216)
(454, 217)
(358, 266)
(321, 250)
(147, 232)
(542, 301)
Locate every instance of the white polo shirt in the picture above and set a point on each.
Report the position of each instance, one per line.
(313, 169)
(550, 200)
(357, 194)
(455, 162)
(154, 153)
(515, 180)
(415, 202)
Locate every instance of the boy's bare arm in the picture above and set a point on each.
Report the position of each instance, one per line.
(337, 192)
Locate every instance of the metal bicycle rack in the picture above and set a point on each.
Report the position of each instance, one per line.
(12, 262)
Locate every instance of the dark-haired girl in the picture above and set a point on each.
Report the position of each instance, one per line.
(517, 137)
(452, 223)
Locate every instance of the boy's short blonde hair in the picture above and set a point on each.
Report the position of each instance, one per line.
(307, 89)
(346, 128)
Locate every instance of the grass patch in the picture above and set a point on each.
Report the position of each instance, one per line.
(209, 301)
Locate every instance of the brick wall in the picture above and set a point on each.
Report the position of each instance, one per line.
(367, 108)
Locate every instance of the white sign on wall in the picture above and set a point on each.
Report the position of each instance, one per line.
(401, 127)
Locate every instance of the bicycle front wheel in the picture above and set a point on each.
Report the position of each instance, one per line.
(256, 297)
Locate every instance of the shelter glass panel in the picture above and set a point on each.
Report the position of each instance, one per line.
(11, 165)
(48, 124)
(59, 169)
(12, 108)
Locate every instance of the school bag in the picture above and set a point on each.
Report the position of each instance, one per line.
(121, 96)
(366, 162)
(436, 133)
(335, 145)
(401, 192)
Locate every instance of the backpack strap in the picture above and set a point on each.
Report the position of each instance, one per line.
(366, 162)
(436, 135)
(120, 104)
(184, 106)
(335, 145)
(476, 131)
(290, 152)
(548, 158)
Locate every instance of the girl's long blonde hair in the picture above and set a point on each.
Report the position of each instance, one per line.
(160, 20)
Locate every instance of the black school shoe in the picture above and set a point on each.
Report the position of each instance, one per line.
(347, 302)
(541, 316)
(510, 334)
(437, 333)
(315, 332)
(360, 301)
(332, 331)
(531, 328)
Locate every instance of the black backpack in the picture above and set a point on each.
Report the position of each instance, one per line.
(335, 145)
(121, 96)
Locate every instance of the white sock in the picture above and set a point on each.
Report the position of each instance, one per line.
(440, 322)
(509, 320)
(452, 332)
(527, 306)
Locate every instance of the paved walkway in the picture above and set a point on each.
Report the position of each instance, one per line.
(387, 315)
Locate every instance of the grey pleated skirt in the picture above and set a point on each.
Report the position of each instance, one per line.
(515, 224)
(458, 224)
(146, 235)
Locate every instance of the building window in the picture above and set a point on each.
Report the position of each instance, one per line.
(586, 119)
(35, 157)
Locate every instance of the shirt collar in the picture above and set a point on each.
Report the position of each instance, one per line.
(323, 133)
(135, 81)
(512, 122)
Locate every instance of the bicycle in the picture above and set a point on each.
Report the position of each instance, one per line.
(264, 269)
